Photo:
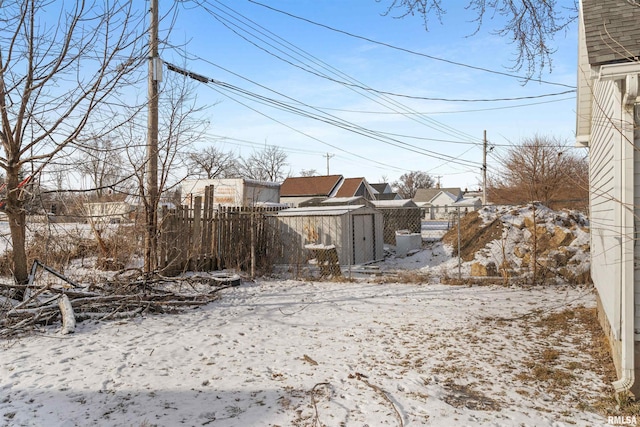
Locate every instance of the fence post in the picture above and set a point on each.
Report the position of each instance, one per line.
(197, 230)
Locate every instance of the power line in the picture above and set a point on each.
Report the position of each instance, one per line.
(460, 64)
(228, 24)
(327, 118)
(388, 102)
(508, 107)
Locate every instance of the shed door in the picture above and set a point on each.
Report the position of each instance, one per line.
(363, 241)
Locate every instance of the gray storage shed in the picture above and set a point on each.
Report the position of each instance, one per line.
(355, 230)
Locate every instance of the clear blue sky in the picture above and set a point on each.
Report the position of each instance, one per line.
(403, 134)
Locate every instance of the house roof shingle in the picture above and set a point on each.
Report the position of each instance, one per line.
(427, 194)
(380, 187)
(612, 30)
(349, 187)
(309, 186)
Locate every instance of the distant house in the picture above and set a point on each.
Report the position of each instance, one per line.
(108, 211)
(440, 203)
(385, 192)
(232, 191)
(607, 123)
(301, 190)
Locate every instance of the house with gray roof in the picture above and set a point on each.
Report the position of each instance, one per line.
(440, 203)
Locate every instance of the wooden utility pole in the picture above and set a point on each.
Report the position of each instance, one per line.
(151, 204)
(328, 157)
(484, 168)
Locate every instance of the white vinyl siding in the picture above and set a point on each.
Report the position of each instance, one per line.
(605, 194)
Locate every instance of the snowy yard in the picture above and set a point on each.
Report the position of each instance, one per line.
(392, 347)
(293, 353)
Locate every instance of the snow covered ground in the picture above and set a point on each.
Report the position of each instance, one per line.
(375, 351)
(294, 353)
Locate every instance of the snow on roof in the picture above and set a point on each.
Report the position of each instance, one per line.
(402, 203)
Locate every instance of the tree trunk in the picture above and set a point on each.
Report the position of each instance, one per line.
(17, 224)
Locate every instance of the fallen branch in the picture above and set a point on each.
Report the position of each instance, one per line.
(114, 299)
(316, 417)
(68, 318)
(382, 393)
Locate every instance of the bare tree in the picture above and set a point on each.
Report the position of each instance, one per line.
(266, 165)
(101, 162)
(210, 163)
(410, 182)
(179, 127)
(308, 172)
(542, 169)
(530, 24)
(62, 68)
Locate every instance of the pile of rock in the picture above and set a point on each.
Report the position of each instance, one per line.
(548, 247)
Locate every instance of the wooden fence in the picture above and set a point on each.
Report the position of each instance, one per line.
(207, 237)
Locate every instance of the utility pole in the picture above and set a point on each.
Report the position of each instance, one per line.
(484, 168)
(155, 76)
(328, 157)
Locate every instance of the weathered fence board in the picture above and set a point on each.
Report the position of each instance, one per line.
(208, 237)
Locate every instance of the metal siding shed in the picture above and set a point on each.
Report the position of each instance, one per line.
(355, 230)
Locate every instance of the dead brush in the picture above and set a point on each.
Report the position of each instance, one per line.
(118, 246)
(405, 276)
(53, 249)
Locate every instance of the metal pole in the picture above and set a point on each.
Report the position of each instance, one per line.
(155, 70)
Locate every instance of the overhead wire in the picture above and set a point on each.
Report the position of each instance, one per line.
(327, 118)
(476, 110)
(381, 99)
(388, 45)
(365, 87)
(381, 136)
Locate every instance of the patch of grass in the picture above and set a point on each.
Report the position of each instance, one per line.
(549, 355)
(404, 276)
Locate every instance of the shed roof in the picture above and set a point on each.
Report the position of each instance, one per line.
(401, 203)
(612, 30)
(353, 200)
(325, 210)
(309, 185)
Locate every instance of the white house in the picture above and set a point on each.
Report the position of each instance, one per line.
(108, 212)
(232, 191)
(607, 123)
(440, 203)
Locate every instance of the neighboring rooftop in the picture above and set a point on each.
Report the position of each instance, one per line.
(425, 195)
(350, 187)
(308, 186)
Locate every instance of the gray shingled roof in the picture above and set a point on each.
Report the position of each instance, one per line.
(612, 30)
